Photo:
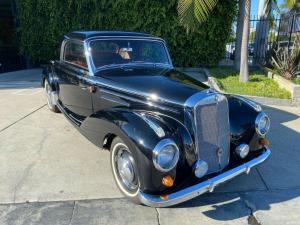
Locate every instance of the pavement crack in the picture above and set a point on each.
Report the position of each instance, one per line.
(22, 118)
(252, 219)
(22, 180)
(261, 177)
(158, 216)
(72, 215)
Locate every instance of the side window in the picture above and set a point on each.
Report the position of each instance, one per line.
(74, 53)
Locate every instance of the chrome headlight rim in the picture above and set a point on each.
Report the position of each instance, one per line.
(258, 119)
(159, 148)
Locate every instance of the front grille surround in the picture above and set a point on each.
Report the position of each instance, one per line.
(207, 117)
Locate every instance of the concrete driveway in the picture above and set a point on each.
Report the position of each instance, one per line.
(50, 174)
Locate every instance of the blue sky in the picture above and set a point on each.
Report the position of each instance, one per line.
(254, 6)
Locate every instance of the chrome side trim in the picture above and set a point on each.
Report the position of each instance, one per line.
(133, 99)
(205, 186)
(68, 116)
(155, 127)
(115, 100)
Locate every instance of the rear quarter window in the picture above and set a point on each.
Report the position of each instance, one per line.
(74, 54)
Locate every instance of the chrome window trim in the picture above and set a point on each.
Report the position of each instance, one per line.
(62, 52)
(124, 37)
(159, 147)
(95, 69)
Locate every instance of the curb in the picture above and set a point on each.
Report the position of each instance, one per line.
(261, 100)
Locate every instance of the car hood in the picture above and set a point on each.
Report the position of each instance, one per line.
(165, 84)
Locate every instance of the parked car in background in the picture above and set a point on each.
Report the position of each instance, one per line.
(170, 137)
(250, 51)
(285, 44)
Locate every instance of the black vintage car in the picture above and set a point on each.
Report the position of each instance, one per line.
(170, 137)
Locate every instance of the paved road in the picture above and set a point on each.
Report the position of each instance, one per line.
(50, 174)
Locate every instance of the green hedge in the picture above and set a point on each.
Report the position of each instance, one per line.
(44, 22)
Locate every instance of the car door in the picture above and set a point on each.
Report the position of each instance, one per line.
(74, 82)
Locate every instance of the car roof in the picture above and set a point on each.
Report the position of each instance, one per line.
(83, 35)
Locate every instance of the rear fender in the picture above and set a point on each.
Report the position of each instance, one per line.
(50, 75)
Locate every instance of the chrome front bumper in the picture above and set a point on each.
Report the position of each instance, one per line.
(205, 186)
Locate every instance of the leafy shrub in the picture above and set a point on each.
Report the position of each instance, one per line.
(44, 22)
(286, 62)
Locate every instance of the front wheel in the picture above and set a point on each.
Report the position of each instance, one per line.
(125, 170)
(48, 93)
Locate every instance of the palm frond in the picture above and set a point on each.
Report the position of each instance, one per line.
(193, 12)
(269, 6)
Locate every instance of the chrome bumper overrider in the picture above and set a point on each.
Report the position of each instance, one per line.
(205, 186)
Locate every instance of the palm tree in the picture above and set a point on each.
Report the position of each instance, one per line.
(291, 4)
(239, 36)
(262, 28)
(193, 12)
(245, 14)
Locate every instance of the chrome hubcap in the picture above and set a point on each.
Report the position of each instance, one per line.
(126, 169)
(48, 94)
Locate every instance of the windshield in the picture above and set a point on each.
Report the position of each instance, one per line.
(112, 52)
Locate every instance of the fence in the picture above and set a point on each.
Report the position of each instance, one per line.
(265, 34)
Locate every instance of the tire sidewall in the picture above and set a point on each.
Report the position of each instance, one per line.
(116, 144)
(52, 107)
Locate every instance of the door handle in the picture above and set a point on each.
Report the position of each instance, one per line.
(84, 87)
(91, 89)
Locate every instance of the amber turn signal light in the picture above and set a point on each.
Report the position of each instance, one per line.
(168, 181)
(164, 197)
(264, 142)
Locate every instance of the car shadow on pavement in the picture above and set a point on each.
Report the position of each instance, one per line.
(280, 174)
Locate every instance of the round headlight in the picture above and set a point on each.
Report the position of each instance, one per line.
(165, 155)
(262, 124)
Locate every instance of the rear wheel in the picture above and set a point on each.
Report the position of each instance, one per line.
(49, 93)
(124, 170)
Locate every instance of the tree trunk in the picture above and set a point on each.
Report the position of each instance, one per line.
(239, 35)
(262, 31)
(244, 70)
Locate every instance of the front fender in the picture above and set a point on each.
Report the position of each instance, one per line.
(242, 115)
(136, 129)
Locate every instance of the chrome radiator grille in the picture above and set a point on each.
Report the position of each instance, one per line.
(212, 131)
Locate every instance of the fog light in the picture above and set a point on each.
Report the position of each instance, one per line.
(264, 142)
(242, 150)
(168, 181)
(201, 168)
(164, 197)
